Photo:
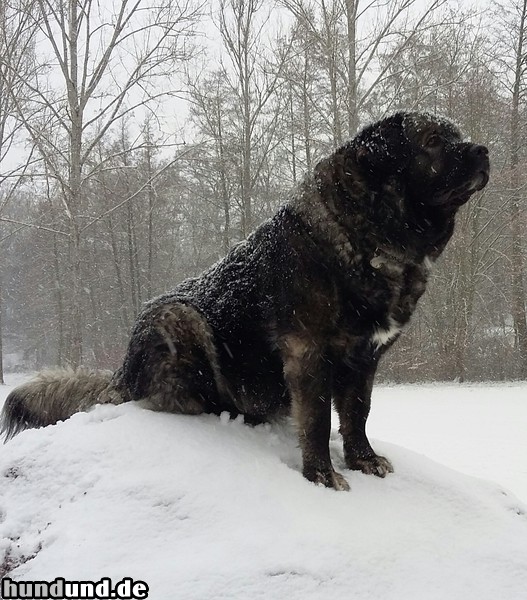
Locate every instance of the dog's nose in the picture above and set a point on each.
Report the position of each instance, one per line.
(478, 151)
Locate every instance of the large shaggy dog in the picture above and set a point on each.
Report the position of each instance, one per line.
(297, 316)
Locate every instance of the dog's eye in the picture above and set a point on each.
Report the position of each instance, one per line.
(433, 140)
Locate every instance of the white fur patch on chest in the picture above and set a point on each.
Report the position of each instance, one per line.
(428, 263)
(382, 336)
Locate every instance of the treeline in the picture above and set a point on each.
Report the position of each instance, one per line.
(105, 202)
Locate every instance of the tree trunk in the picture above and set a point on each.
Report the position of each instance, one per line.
(351, 18)
(119, 276)
(518, 294)
(293, 140)
(336, 125)
(1, 335)
(247, 155)
(73, 200)
(60, 302)
(151, 198)
(76, 326)
(134, 283)
(306, 112)
(226, 238)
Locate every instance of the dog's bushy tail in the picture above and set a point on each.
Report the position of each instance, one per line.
(53, 396)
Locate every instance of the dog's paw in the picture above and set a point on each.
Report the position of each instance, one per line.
(331, 479)
(371, 465)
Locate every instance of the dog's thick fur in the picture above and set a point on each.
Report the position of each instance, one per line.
(298, 315)
(55, 395)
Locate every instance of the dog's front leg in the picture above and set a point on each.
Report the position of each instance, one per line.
(352, 387)
(308, 377)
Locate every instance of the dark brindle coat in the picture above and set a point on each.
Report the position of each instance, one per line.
(299, 314)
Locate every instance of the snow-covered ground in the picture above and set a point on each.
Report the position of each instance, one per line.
(477, 429)
(201, 508)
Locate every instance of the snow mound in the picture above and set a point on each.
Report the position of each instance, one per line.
(206, 508)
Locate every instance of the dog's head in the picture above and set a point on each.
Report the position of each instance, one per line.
(426, 155)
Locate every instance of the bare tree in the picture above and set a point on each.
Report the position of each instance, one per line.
(212, 111)
(510, 29)
(255, 79)
(305, 96)
(349, 37)
(16, 54)
(112, 60)
(516, 213)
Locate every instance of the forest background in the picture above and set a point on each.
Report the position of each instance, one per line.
(140, 140)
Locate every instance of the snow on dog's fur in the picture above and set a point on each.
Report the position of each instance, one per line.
(298, 315)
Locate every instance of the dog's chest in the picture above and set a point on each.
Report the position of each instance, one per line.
(378, 301)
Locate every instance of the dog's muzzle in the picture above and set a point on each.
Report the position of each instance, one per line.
(479, 157)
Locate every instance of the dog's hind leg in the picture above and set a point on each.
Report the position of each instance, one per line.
(171, 362)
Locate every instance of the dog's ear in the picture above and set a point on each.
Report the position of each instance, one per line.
(383, 148)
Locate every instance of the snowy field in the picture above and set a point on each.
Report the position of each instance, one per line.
(201, 508)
